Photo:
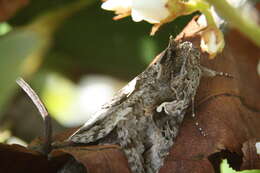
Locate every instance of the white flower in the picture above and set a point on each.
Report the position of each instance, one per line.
(152, 11)
(212, 42)
(257, 146)
(208, 43)
(117, 5)
(217, 19)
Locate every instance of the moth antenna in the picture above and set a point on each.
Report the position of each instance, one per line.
(43, 111)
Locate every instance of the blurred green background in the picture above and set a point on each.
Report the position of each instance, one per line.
(75, 57)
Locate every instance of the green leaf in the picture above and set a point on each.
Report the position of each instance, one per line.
(15, 48)
(225, 168)
(21, 50)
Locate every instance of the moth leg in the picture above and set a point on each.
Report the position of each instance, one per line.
(193, 107)
(202, 132)
(212, 73)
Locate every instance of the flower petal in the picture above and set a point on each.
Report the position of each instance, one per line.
(152, 11)
(117, 5)
(212, 41)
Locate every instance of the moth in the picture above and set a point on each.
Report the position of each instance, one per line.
(145, 116)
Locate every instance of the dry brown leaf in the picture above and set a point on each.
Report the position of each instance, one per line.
(251, 158)
(15, 158)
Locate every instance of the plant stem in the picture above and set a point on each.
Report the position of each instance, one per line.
(242, 23)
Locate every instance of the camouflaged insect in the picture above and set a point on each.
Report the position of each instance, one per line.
(145, 116)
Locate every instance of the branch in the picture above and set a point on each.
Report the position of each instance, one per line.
(46, 147)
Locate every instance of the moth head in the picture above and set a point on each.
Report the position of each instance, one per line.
(176, 57)
(187, 54)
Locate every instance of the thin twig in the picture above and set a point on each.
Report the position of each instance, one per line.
(43, 111)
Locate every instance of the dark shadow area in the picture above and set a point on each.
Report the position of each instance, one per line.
(234, 160)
